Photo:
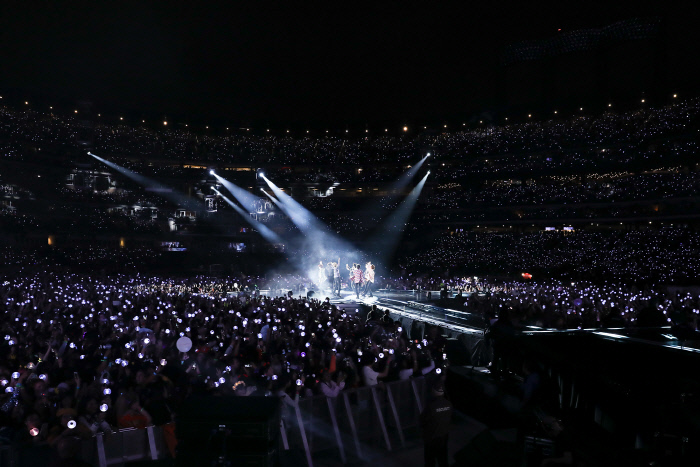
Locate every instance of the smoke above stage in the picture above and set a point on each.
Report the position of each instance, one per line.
(311, 246)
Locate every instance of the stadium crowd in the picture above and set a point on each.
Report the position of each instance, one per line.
(105, 348)
(644, 256)
(610, 136)
(534, 171)
(82, 355)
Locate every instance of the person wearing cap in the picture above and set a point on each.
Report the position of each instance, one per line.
(435, 427)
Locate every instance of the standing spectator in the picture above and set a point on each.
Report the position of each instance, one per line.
(329, 387)
(435, 427)
(93, 419)
(130, 414)
(370, 375)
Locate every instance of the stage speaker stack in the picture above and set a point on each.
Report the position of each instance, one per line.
(219, 431)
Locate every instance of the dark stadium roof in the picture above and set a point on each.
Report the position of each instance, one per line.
(297, 63)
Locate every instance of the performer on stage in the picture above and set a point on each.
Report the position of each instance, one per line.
(369, 279)
(336, 277)
(321, 275)
(356, 278)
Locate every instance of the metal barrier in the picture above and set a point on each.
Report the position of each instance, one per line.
(358, 419)
(120, 447)
(125, 445)
(367, 418)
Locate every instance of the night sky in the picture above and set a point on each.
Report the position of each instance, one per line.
(296, 63)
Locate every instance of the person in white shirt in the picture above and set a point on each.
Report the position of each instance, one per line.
(369, 279)
(95, 420)
(370, 375)
(321, 275)
(329, 387)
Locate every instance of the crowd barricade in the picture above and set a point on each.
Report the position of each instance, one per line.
(357, 420)
(125, 445)
(349, 426)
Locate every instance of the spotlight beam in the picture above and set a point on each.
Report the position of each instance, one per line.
(385, 241)
(407, 176)
(315, 236)
(373, 209)
(149, 184)
(265, 231)
(274, 200)
(302, 217)
(244, 197)
(317, 241)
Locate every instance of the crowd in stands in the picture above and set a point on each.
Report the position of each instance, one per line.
(664, 256)
(620, 132)
(608, 129)
(540, 170)
(82, 257)
(594, 188)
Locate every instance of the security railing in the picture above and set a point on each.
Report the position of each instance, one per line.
(358, 420)
(354, 424)
(125, 445)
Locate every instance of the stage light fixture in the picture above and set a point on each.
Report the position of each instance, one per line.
(211, 172)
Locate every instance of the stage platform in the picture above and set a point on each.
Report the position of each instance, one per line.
(416, 305)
